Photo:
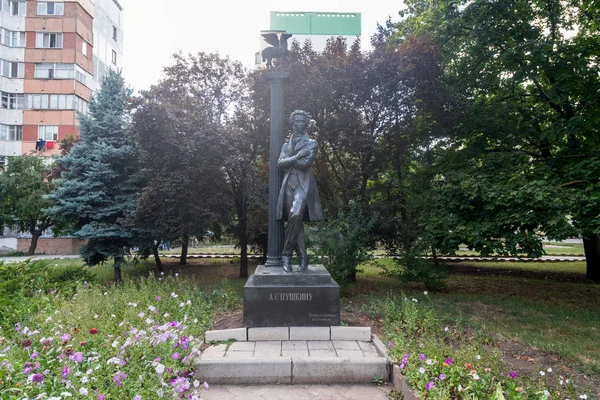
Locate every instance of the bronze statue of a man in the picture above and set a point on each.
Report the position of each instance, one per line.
(298, 199)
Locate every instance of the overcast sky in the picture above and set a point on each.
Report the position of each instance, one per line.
(155, 29)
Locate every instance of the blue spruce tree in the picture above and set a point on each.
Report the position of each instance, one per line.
(99, 182)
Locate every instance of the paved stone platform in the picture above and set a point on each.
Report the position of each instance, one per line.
(296, 392)
(294, 362)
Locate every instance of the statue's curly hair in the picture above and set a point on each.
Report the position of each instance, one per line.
(298, 112)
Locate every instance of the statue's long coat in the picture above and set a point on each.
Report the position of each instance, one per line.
(305, 175)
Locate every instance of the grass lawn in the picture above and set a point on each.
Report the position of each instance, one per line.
(545, 314)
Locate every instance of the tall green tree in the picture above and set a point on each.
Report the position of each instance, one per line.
(99, 182)
(23, 187)
(525, 157)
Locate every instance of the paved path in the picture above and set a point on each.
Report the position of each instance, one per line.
(296, 392)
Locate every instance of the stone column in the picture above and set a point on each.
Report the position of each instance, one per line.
(275, 241)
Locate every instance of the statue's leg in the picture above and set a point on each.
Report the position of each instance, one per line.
(301, 249)
(295, 228)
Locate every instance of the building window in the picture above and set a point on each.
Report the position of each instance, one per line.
(11, 132)
(14, 7)
(114, 57)
(12, 101)
(54, 71)
(51, 102)
(11, 69)
(115, 32)
(49, 40)
(80, 75)
(48, 133)
(50, 8)
(84, 48)
(12, 38)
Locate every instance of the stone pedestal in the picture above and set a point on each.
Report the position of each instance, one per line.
(273, 297)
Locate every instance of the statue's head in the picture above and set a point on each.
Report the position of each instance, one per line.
(299, 121)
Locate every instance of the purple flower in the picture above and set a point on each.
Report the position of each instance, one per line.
(137, 397)
(442, 377)
(157, 298)
(38, 378)
(66, 337)
(34, 355)
(205, 384)
(78, 357)
(422, 357)
(390, 344)
(118, 377)
(513, 374)
(100, 396)
(65, 372)
(27, 370)
(175, 355)
(448, 361)
(429, 386)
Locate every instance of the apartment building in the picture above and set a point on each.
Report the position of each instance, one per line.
(53, 55)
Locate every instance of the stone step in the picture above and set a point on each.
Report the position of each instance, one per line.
(290, 333)
(294, 362)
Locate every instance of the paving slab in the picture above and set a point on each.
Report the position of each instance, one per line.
(351, 333)
(242, 346)
(268, 333)
(320, 345)
(239, 334)
(308, 392)
(310, 333)
(339, 370)
(345, 345)
(294, 345)
(329, 353)
(214, 351)
(244, 371)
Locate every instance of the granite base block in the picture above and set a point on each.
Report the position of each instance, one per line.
(296, 299)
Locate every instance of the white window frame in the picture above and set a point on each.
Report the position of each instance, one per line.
(54, 71)
(15, 8)
(56, 8)
(115, 33)
(84, 48)
(13, 133)
(40, 101)
(12, 101)
(49, 40)
(114, 57)
(49, 133)
(12, 69)
(12, 38)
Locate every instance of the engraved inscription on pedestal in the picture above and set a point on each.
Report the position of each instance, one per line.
(302, 299)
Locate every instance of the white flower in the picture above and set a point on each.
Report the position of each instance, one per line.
(160, 369)
(181, 304)
(195, 320)
(425, 293)
(176, 274)
(476, 377)
(421, 370)
(160, 392)
(78, 373)
(141, 315)
(89, 371)
(66, 394)
(428, 362)
(446, 329)
(48, 319)
(83, 391)
(121, 323)
(148, 321)
(152, 308)
(113, 360)
(96, 316)
(460, 388)
(166, 315)
(478, 357)
(113, 316)
(583, 396)
(196, 383)
(542, 373)
(549, 369)
(84, 379)
(561, 382)
(188, 302)
(415, 300)
(174, 295)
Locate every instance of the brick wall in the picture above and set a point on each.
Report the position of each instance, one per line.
(52, 245)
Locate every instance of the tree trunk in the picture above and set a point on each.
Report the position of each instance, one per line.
(591, 247)
(184, 248)
(118, 263)
(434, 255)
(157, 257)
(35, 235)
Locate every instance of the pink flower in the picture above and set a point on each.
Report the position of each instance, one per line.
(66, 337)
(100, 396)
(78, 356)
(34, 355)
(442, 377)
(513, 374)
(429, 386)
(175, 355)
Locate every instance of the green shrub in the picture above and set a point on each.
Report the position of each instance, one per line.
(412, 268)
(343, 243)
